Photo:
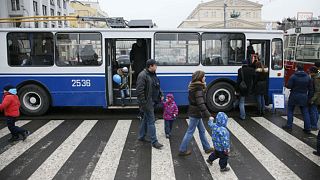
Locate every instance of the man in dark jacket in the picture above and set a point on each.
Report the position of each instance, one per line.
(149, 93)
(248, 74)
(300, 86)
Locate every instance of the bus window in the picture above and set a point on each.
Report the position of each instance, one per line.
(177, 48)
(222, 49)
(78, 49)
(30, 49)
(277, 54)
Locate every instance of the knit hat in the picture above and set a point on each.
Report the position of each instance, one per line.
(151, 62)
(8, 87)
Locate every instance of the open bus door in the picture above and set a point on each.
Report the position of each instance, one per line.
(120, 56)
(262, 50)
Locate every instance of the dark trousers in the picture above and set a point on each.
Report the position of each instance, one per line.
(15, 130)
(318, 142)
(168, 126)
(223, 159)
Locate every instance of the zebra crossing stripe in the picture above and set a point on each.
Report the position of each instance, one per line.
(106, 167)
(4, 131)
(272, 164)
(292, 141)
(15, 151)
(299, 123)
(162, 159)
(215, 168)
(55, 161)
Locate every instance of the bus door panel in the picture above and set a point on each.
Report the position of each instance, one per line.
(110, 58)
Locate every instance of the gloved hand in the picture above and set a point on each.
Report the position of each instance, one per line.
(211, 118)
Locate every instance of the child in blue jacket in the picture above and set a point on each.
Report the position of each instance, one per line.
(221, 141)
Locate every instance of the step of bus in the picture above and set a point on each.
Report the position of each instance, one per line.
(127, 101)
(123, 107)
(116, 92)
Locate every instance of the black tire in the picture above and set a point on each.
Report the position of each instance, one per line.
(220, 97)
(34, 100)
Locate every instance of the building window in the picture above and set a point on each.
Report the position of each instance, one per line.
(59, 22)
(52, 2)
(35, 7)
(15, 5)
(45, 24)
(44, 10)
(59, 3)
(64, 4)
(52, 12)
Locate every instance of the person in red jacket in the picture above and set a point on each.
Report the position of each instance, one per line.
(10, 105)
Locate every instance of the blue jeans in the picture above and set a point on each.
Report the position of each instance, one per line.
(193, 123)
(147, 124)
(242, 108)
(168, 126)
(124, 93)
(261, 103)
(304, 112)
(314, 115)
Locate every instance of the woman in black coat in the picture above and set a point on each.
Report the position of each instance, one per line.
(260, 86)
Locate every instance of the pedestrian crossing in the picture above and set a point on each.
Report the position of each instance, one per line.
(109, 149)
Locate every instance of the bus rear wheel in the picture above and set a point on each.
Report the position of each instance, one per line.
(220, 97)
(34, 100)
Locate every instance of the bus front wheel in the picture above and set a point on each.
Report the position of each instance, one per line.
(220, 97)
(34, 100)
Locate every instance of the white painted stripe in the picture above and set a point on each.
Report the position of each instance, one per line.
(106, 167)
(215, 168)
(299, 123)
(161, 163)
(292, 141)
(15, 151)
(273, 165)
(4, 131)
(55, 161)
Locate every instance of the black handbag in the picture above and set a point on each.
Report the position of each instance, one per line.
(243, 85)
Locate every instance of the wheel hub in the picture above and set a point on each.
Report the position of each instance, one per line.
(33, 100)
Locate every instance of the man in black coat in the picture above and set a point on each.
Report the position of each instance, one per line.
(149, 93)
(248, 74)
(301, 91)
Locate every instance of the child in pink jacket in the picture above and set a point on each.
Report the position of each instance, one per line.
(170, 112)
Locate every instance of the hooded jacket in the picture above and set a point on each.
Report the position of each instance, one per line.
(316, 96)
(10, 104)
(220, 133)
(170, 109)
(300, 86)
(197, 100)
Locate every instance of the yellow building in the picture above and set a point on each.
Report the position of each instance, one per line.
(87, 9)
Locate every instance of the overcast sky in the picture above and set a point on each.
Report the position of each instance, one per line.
(170, 13)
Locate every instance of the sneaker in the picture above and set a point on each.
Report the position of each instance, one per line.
(186, 153)
(316, 153)
(314, 129)
(224, 169)
(13, 138)
(286, 127)
(208, 151)
(157, 145)
(209, 162)
(306, 131)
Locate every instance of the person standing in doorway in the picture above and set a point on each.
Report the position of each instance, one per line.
(244, 86)
(138, 57)
(300, 86)
(149, 93)
(196, 112)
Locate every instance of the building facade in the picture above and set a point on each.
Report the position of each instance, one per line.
(23, 8)
(242, 14)
(88, 8)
